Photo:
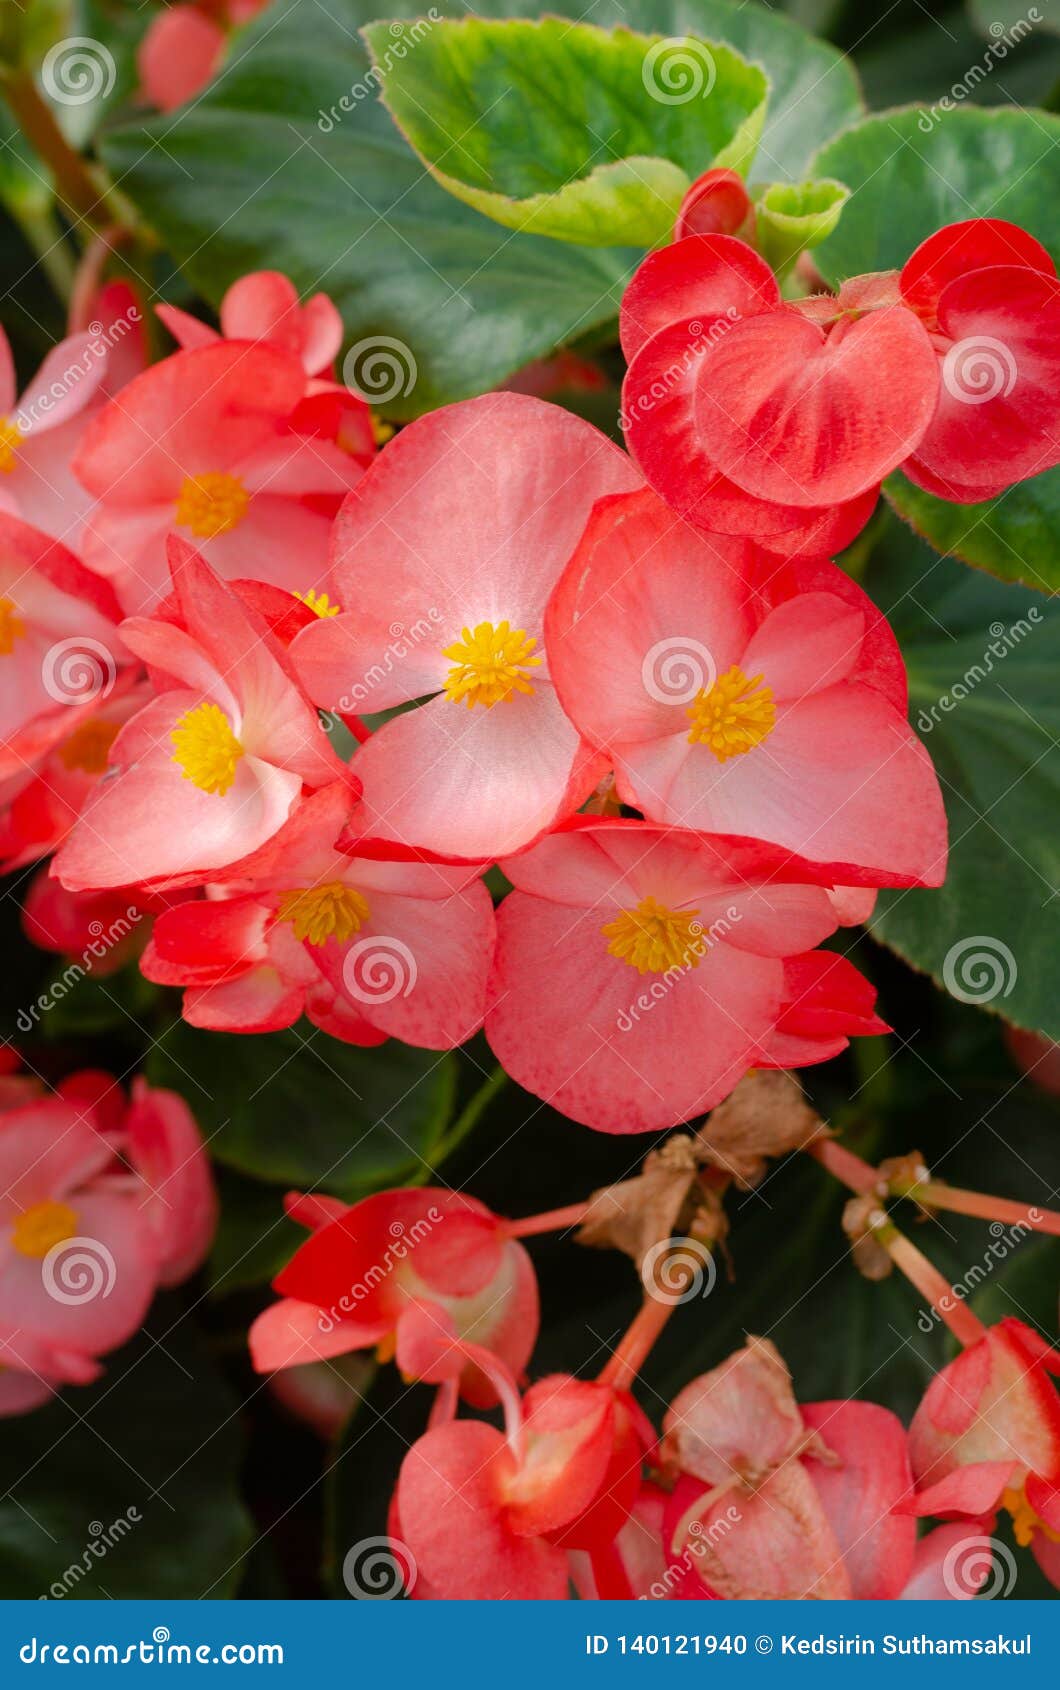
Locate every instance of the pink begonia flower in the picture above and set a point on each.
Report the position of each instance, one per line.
(40, 431)
(184, 48)
(443, 561)
(777, 1500)
(211, 442)
(398, 949)
(179, 55)
(736, 695)
(60, 652)
(40, 804)
(211, 767)
(493, 1516)
(987, 1436)
(99, 931)
(369, 1270)
(265, 306)
(624, 942)
(99, 1205)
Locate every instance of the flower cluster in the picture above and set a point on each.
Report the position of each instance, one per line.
(747, 1494)
(678, 729)
(105, 1199)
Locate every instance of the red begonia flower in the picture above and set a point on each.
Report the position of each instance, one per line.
(367, 1269)
(752, 416)
(989, 296)
(265, 305)
(987, 1435)
(717, 203)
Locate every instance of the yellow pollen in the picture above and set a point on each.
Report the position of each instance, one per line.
(12, 627)
(652, 938)
(206, 749)
(88, 747)
(320, 913)
(381, 431)
(211, 504)
(1025, 1522)
(318, 602)
(10, 441)
(40, 1228)
(733, 716)
(488, 664)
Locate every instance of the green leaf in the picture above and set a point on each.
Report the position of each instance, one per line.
(288, 161)
(254, 1237)
(910, 173)
(304, 1109)
(127, 1488)
(568, 130)
(814, 89)
(793, 217)
(1013, 536)
(982, 660)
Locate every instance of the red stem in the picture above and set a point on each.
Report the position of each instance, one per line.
(551, 1220)
(983, 1207)
(635, 1347)
(966, 1327)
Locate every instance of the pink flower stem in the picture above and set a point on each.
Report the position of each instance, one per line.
(551, 1220)
(860, 1176)
(636, 1345)
(985, 1207)
(966, 1327)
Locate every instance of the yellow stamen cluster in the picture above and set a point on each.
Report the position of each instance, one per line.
(320, 913)
(88, 747)
(12, 627)
(211, 504)
(10, 441)
(319, 603)
(40, 1228)
(653, 939)
(735, 715)
(488, 664)
(1025, 1522)
(206, 749)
